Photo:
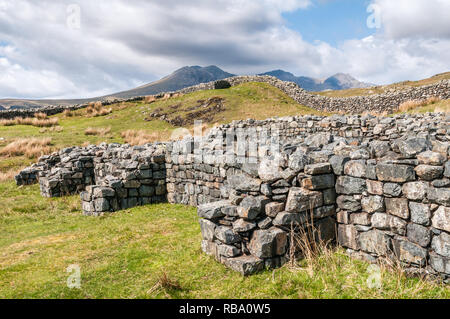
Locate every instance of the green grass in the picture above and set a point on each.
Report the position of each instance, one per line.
(123, 255)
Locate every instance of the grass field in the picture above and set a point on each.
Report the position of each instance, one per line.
(128, 253)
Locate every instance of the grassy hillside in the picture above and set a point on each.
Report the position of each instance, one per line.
(250, 100)
(154, 252)
(386, 88)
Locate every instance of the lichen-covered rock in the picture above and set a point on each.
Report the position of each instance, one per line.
(251, 207)
(441, 218)
(373, 204)
(392, 189)
(319, 182)
(415, 190)
(272, 209)
(212, 210)
(409, 252)
(355, 168)
(397, 207)
(287, 219)
(242, 226)
(420, 213)
(226, 235)
(208, 229)
(375, 241)
(431, 158)
(318, 169)
(395, 173)
(300, 200)
(387, 222)
(418, 234)
(428, 172)
(246, 265)
(441, 244)
(348, 236)
(349, 203)
(413, 146)
(337, 163)
(268, 243)
(350, 185)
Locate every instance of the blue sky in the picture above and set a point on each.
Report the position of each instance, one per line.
(339, 20)
(84, 48)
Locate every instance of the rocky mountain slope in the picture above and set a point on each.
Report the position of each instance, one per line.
(339, 81)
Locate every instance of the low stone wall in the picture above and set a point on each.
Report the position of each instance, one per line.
(386, 102)
(254, 228)
(258, 183)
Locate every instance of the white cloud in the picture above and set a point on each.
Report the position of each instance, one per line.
(415, 18)
(122, 44)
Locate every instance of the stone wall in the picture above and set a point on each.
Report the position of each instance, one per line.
(255, 180)
(396, 205)
(386, 102)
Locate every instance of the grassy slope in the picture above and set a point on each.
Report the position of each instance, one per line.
(385, 88)
(251, 100)
(123, 256)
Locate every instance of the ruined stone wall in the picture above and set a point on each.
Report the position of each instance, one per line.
(254, 180)
(386, 102)
(397, 204)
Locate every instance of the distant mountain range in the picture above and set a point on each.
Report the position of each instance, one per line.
(193, 75)
(339, 81)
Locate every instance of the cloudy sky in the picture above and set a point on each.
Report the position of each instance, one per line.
(82, 48)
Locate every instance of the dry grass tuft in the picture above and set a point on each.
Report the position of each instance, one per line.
(100, 131)
(54, 129)
(413, 104)
(97, 109)
(68, 113)
(150, 99)
(30, 147)
(141, 137)
(165, 283)
(38, 122)
(40, 116)
(7, 176)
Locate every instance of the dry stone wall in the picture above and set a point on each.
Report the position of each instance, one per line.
(386, 102)
(378, 186)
